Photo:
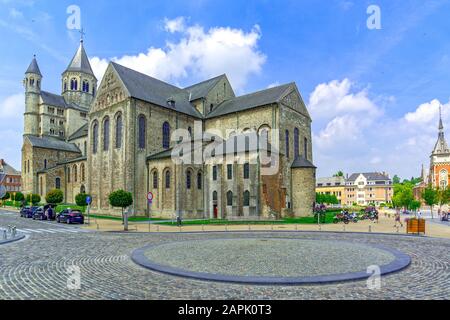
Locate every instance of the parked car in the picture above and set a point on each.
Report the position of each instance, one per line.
(39, 214)
(70, 216)
(28, 212)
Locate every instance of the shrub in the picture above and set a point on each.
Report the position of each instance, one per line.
(19, 197)
(33, 199)
(121, 199)
(7, 196)
(80, 199)
(55, 196)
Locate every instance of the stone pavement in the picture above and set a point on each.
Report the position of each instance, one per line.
(41, 267)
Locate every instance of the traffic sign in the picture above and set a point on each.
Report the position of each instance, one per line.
(150, 197)
(88, 200)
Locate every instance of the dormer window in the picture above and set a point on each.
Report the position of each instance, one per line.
(171, 102)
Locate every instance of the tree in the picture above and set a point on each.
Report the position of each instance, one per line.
(430, 197)
(33, 198)
(19, 197)
(54, 196)
(396, 179)
(403, 195)
(7, 196)
(415, 204)
(339, 174)
(121, 199)
(80, 199)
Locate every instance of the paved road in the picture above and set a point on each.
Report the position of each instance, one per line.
(37, 268)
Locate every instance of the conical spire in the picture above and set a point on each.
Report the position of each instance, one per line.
(80, 61)
(34, 68)
(441, 144)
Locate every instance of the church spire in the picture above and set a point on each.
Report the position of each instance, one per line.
(441, 144)
(80, 61)
(441, 125)
(34, 67)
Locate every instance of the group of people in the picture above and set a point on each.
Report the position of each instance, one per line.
(443, 215)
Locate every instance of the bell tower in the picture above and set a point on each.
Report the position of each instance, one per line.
(79, 83)
(32, 85)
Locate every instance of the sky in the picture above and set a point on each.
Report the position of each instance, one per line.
(373, 93)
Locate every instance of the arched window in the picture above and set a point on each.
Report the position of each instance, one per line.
(106, 134)
(305, 147)
(83, 173)
(215, 196)
(155, 179)
(58, 183)
(31, 82)
(74, 84)
(69, 177)
(45, 163)
(65, 86)
(119, 131)
(142, 131)
(287, 144)
(85, 86)
(214, 173)
(264, 136)
(82, 189)
(246, 171)
(75, 173)
(199, 181)
(95, 138)
(166, 135)
(167, 177)
(188, 179)
(296, 143)
(443, 179)
(229, 198)
(85, 148)
(247, 199)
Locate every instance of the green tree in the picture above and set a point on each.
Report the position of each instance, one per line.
(415, 205)
(55, 197)
(403, 195)
(33, 199)
(339, 174)
(319, 198)
(7, 196)
(19, 197)
(396, 179)
(430, 197)
(80, 199)
(121, 199)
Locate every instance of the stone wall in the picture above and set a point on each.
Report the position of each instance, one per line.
(303, 192)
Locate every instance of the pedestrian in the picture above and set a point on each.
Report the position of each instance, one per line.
(398, 219)
(419, 214)
(179, 221)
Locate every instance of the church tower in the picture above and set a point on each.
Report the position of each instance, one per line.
(78, 80)
(32, 85)
(440, 159)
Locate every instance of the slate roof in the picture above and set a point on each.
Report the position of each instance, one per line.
(7, 169)
(333, 181)
(72, 160)
(201, 90)
(80, 133)
(370, 176)
(34, 67)
(53, 99)
(161, 155)
(301, 162)
(52, 143)
(249, 101)
(80, 62)
(146, 88)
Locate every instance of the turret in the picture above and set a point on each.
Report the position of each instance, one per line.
(32, 85)
(79, 83)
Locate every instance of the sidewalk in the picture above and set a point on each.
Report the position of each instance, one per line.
(385, 225)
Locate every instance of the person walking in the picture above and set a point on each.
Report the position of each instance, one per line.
(398, 219)
(419, 214)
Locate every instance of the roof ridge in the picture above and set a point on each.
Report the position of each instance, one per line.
(265, 90)
(204, 81)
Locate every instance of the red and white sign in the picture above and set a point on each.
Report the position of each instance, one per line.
(150, 196)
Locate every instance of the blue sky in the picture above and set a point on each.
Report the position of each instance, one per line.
(374, 95)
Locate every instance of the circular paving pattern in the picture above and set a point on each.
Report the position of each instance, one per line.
(270, 260)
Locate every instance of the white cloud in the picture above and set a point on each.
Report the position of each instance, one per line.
(12, 107)
(174, 25)
(14, 13)
(198, 54)
(336, 97)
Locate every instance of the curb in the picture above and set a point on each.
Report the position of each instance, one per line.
(3, 242)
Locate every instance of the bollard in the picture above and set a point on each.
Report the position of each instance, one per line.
(203, 227)
(249, 228)
(398, 229)
(14, 232)
(370, 229)
(296, 227)
(4, 235)
(98, 227)
(320, 227)
(344, 228)
(226, 227)
(180, 228)
(157, 228)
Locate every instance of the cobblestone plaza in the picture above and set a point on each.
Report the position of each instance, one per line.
(37, 267)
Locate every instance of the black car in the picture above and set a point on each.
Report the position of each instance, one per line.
(70, 216)
(28, 212)
(39, 214)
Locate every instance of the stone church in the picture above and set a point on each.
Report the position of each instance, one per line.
(123, 134)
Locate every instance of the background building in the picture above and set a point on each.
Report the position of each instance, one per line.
(332, 186)
(367, 188)
(11, 179)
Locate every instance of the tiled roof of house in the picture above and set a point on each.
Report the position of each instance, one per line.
(52, 143)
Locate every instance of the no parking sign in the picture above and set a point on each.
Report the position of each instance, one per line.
(150, 198)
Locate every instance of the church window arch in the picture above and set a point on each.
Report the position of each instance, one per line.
(229, 198)
(296, 143)
(443, 179)
(75, 173)
(69, 177)
(74, 84)
(155, 179)
(58, 183)
(188, 179)
(119, 130)
(106, 134)
(142, 122)
(247, 198)
(167, 179)
(95, 137)
(166, 135)
(199, 181)
(83, 173)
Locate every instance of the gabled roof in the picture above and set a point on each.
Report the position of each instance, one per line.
(34, 68)
(333, 181)
(52, 144)
(201, 90)
(80, 133)
(80, 62)
(370, 176)
(146, 88)
(7, 169)
(249, 101)
(301, 162)
(52, 99)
